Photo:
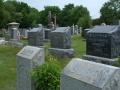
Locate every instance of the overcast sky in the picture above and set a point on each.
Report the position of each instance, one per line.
(92, 5)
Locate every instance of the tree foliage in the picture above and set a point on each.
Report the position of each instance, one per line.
(110, 11)
(1, 13)
(84, 22)
(20, 12)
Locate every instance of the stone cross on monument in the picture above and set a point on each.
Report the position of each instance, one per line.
(54, 21)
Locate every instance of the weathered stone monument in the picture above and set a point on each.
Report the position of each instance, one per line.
(85, 31)
(116, 22)
(35, 37)
(76, 29)
(103, 44)
(72, 29)
(49, 20)
(26, 33)
(55, 21)
(27, 59)
(13, 35)
(10, 26)
(47, 35)
(61, 42)
(86, 75)
(13, 25)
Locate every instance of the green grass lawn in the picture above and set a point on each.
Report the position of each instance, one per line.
(8, 61)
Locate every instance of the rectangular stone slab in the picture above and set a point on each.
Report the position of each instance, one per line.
(27, 59)
(103, 41)
(86, 75)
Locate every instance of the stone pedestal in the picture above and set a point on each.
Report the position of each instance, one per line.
(63, 53)
(108, 61)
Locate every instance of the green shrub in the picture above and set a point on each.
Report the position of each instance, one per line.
(47, 76)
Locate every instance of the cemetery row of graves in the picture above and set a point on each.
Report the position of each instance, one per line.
(98, 68)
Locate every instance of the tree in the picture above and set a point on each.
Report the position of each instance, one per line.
(110, 11)
(65, 15)
(33, 18)
(84, 22)
(44, 14)
(11, 9)
(1, 13)
(78, 12)
(96, 21)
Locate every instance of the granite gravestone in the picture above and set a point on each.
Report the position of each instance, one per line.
(76, 29)
(72, 29)
(27, 59)
(47, 33)
(85, 31)
(61, 42)
(35, 37)
(86, 75)
(104, 41)
(61, 38)
(116, 22)
(26, 33)
(13, 35)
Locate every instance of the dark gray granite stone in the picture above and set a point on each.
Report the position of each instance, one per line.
(85, 31)
(47, 33)
(103, 41)
(13, 33)
(86, 75)
(116, 22)
(63, 53)
(35, 37)
(61, 38)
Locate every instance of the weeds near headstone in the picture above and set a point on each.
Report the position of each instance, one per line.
(47, 76)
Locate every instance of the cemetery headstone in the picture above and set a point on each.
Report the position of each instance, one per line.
(47, 35)
(61, 38)
(86, 75)
(85, 31)
(10, 26)
(13, 35)
(35, 37)
(103, 41)
(27, 59)
(26, 33)
(76, 29)
(13, 25)
(61, 42)
(116, 22)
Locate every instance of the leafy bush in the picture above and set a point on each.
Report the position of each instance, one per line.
(47, 76)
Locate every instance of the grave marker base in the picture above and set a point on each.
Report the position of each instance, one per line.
(64, 53)
(107, 61)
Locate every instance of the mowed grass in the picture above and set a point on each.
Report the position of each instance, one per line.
(8, 61)
(8, 67)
